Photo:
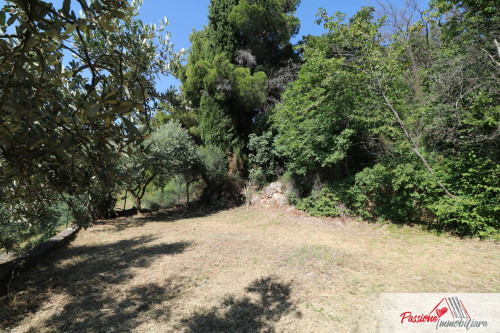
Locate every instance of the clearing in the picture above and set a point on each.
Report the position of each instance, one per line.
(255, 270)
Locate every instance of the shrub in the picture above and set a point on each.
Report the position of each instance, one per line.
(214, 166)
(263, 158)
(396, 191)
(159, 196)
(258, 176)
(477, 209)
(15, 228)
(322, 203)
(464, 216)
(153, 205)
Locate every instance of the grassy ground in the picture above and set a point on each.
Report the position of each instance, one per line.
(238, 270)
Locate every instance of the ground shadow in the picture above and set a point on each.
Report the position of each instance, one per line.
(181, 212)
(268, 301)
(84, 275)
(100, 312)
(190, 211)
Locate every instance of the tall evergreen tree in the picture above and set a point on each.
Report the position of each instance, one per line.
(222, 37)
(229, 63)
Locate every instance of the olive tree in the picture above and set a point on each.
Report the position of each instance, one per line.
(169, 151)
(73, 91)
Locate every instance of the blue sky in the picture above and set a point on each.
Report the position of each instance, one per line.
(188, 14)
(185, 15)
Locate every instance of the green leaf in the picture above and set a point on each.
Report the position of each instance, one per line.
(105, 24)
(94, 109)
(124, 108)
(51, 47)
(31, 42)
(2, 18)
(69, 29)
(131, 127)
(11, 20)
(65, 7)
(127, 75)
(112, 93)
(68, 74)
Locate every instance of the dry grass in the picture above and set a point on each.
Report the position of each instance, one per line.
(238, 270)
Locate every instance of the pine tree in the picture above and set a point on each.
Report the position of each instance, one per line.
(221, 35)
(226, 77)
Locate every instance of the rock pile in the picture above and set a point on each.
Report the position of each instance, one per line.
(272, 195)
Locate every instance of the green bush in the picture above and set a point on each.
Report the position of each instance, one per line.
(464, 216)
(263, 158)
(258, 176)
(406, 192)
(321, 203)
(158, 197)
(153, 206)
(476, 211)
(214, 165)
(341, 197)
(395, 191)
(18, 235)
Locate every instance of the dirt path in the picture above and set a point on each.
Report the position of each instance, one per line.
(238, 270)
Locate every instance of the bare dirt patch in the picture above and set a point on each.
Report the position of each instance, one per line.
(238, 270)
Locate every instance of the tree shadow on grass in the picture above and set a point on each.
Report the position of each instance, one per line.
(191, 211)
(268, 302)
(102, 312)
(87, 278)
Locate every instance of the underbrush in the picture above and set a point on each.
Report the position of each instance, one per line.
(54, 221)
(407, 193)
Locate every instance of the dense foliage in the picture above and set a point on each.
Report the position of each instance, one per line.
(405, 128)
(73, 91)
(231, 64)
(388, 114)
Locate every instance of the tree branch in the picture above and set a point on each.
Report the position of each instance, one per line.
(409, 139)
